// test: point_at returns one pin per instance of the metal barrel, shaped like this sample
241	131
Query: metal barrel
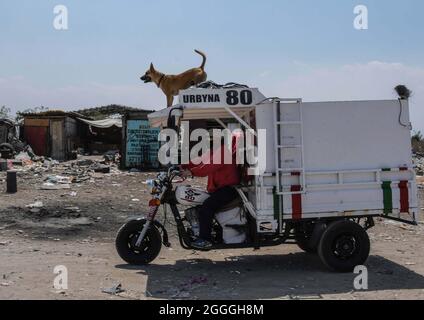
12	183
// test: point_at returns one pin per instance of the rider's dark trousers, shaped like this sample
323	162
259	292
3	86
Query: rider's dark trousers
211	206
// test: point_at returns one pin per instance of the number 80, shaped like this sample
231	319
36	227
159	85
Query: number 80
245	97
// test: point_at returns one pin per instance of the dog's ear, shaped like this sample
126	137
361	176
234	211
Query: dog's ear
152	68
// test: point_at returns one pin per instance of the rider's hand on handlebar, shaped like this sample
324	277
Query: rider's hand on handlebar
186	174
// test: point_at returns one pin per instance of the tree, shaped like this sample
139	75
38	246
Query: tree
19	115
417	137
4	112
418	142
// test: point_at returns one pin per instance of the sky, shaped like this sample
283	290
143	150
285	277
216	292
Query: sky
308	49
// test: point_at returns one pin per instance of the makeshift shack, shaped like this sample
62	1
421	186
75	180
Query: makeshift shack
100	136
52	134
6	128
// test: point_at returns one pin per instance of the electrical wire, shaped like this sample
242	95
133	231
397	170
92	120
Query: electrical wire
400	117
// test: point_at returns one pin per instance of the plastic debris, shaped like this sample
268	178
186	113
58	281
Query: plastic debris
59	179
37	204
117	289
52	186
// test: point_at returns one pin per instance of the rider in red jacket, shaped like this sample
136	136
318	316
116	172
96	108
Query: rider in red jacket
222	178
219	175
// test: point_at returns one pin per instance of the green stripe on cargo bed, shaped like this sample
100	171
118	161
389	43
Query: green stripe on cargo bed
388	197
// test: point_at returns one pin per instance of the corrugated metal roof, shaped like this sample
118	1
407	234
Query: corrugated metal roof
53	113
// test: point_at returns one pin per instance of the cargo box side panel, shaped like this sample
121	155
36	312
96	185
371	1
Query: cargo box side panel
356	135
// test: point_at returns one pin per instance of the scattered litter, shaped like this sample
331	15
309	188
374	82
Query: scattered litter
5	284
100	168
181	295
37	204
114	290
59	179
52	186
85	162
23	156
306	297
404	227
135	200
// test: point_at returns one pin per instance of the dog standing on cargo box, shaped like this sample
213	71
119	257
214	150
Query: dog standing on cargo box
172	84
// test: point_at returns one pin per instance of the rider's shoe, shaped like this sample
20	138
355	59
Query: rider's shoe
201	244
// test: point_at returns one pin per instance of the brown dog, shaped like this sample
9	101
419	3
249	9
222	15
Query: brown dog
172	84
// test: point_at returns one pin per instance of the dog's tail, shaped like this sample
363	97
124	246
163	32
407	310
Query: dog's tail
204	58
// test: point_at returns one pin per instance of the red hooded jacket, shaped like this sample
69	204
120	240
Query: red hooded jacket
219	174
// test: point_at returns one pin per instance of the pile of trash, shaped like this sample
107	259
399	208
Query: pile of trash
77	172
25	158
418	159
57	175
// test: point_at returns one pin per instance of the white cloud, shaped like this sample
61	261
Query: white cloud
373	80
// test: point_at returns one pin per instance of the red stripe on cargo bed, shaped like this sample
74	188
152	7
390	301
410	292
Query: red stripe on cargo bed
404	194
404	197
297	203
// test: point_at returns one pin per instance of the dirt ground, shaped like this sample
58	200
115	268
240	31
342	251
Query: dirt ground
76	228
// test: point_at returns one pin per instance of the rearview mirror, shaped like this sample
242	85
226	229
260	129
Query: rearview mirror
173	119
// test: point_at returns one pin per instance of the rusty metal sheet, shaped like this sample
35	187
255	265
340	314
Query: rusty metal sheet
36	122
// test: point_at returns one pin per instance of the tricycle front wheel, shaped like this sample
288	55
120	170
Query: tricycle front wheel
344	245
126	243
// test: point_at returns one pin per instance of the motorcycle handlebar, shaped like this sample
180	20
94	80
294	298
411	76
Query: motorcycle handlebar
174	168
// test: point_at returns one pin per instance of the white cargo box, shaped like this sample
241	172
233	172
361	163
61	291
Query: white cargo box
339	158
323	159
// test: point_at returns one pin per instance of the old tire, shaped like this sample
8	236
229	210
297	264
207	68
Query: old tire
303	235
147	252
343	246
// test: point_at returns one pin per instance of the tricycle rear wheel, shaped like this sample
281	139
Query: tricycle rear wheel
344	245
